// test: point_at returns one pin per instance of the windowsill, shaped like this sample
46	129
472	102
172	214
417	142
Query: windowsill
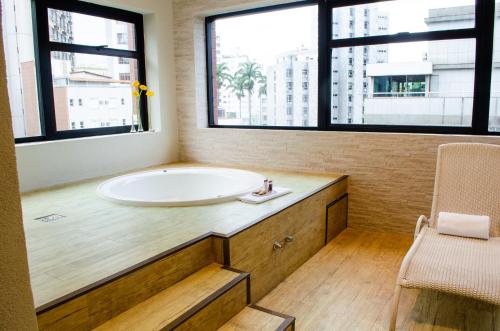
315	130
93	138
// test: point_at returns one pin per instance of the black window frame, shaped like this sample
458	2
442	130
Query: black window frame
43	47
482	33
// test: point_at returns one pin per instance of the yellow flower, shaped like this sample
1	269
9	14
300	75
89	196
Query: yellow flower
150	93
136	84
135	93
143	87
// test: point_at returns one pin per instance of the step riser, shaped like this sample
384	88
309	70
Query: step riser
219	311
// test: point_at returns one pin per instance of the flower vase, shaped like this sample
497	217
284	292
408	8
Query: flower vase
132	126
139	119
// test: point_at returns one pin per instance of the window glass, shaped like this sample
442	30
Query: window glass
494	118
418	83
391	17
101	84
75	28
265	68
20	65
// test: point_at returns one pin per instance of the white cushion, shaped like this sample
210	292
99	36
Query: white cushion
463	225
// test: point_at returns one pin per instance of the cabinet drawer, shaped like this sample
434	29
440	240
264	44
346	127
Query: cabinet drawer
304	224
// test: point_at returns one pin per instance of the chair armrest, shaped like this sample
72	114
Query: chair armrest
422	220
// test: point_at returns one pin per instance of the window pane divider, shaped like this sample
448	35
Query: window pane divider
401	128
95	50
347	3
92	10
404	37
485	18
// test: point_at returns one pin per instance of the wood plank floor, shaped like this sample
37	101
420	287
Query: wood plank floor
349	284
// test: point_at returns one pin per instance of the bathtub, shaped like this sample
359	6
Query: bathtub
180	186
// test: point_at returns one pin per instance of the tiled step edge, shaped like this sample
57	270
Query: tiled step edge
282	322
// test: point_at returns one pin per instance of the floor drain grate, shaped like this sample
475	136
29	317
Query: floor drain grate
49	218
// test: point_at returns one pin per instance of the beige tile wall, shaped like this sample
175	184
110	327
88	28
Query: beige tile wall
391	174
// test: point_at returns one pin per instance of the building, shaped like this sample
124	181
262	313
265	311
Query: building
74	74
349	79
438	90
292	97
92	91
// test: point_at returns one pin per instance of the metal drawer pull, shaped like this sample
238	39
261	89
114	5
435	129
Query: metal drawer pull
277	245
289	239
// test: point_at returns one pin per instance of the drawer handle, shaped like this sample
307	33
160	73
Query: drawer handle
289	239
277	245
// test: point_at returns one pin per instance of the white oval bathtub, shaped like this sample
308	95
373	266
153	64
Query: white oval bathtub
180	186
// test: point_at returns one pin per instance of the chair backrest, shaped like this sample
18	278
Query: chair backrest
468	182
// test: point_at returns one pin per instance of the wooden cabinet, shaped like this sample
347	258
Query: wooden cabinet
274	248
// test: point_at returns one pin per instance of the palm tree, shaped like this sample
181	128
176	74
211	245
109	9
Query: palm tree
250	74
237	86
222	74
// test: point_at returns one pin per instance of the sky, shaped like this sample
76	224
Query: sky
263	36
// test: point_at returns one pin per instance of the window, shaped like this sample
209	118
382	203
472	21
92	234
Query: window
400	85
122	38
125	76
247	56
75	64
420	66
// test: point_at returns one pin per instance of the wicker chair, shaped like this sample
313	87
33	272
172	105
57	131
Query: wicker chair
467	181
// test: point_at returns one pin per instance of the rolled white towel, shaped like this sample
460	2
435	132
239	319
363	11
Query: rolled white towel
463	225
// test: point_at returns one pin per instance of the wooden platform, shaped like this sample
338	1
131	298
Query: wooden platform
97	240
349	284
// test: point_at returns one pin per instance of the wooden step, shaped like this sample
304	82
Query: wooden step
203	301
254	318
